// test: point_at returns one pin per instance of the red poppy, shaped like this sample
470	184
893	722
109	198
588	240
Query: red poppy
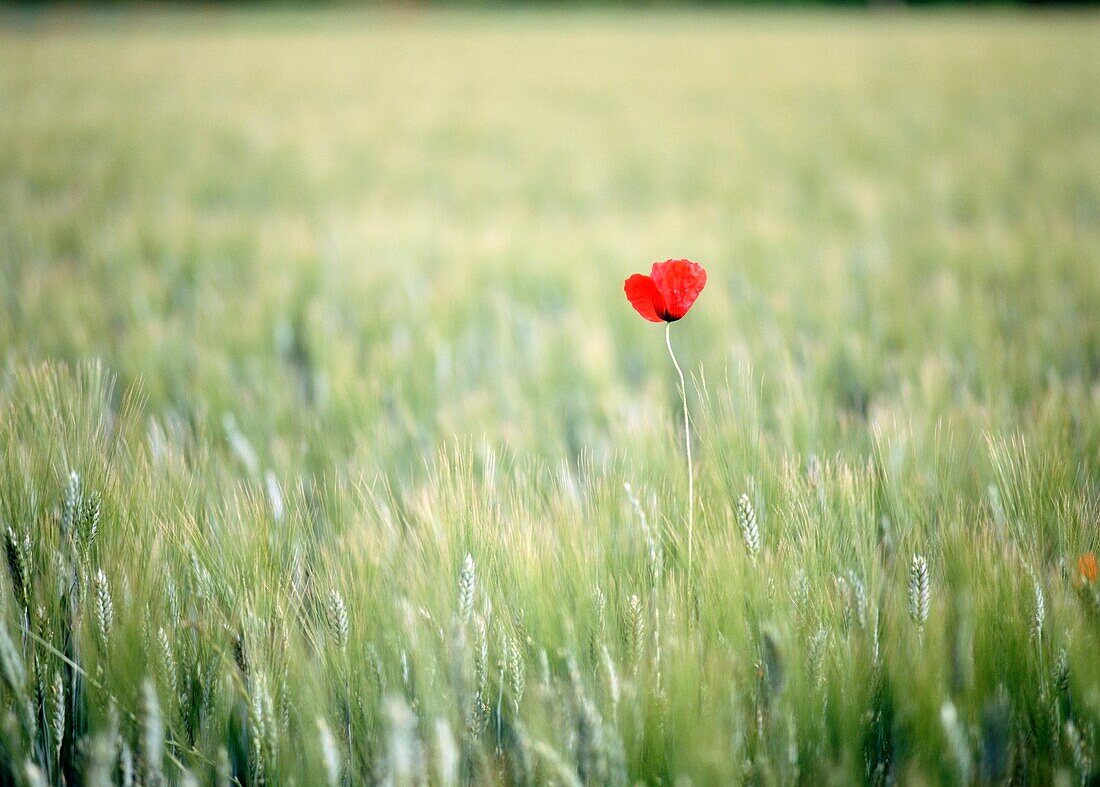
668	291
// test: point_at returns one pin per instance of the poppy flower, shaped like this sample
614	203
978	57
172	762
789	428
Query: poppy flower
666	295
668	292
1086	568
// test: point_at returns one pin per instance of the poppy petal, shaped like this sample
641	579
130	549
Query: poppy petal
679	282
645	297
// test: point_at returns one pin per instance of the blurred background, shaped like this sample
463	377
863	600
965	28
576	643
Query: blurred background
417	221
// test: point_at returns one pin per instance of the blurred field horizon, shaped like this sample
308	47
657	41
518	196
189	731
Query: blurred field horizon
332	453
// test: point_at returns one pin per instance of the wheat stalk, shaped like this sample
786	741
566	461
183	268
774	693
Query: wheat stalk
89	519
102	754
920	592
104	607
750	533
375	670
517	673
330	753
151	739
18	552
819	645
71	502
13	673
481	674
635	630
613	688
404	752
1039	611
337	615
127	766
223	769
57	718
957	740
858	599
467	588
258	725
447	755
167	661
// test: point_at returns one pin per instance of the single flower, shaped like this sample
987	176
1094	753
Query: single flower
666	295
668	292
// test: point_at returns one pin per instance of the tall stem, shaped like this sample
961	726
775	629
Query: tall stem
687	446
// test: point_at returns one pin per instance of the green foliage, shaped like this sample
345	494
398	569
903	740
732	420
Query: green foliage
330	451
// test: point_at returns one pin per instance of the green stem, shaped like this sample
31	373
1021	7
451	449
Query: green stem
687	446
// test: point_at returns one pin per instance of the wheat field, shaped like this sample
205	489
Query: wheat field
331	452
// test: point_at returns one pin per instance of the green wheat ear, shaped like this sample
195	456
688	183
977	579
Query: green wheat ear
337	617
920	591
467	588
750	534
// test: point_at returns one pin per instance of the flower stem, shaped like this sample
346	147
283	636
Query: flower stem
687	446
